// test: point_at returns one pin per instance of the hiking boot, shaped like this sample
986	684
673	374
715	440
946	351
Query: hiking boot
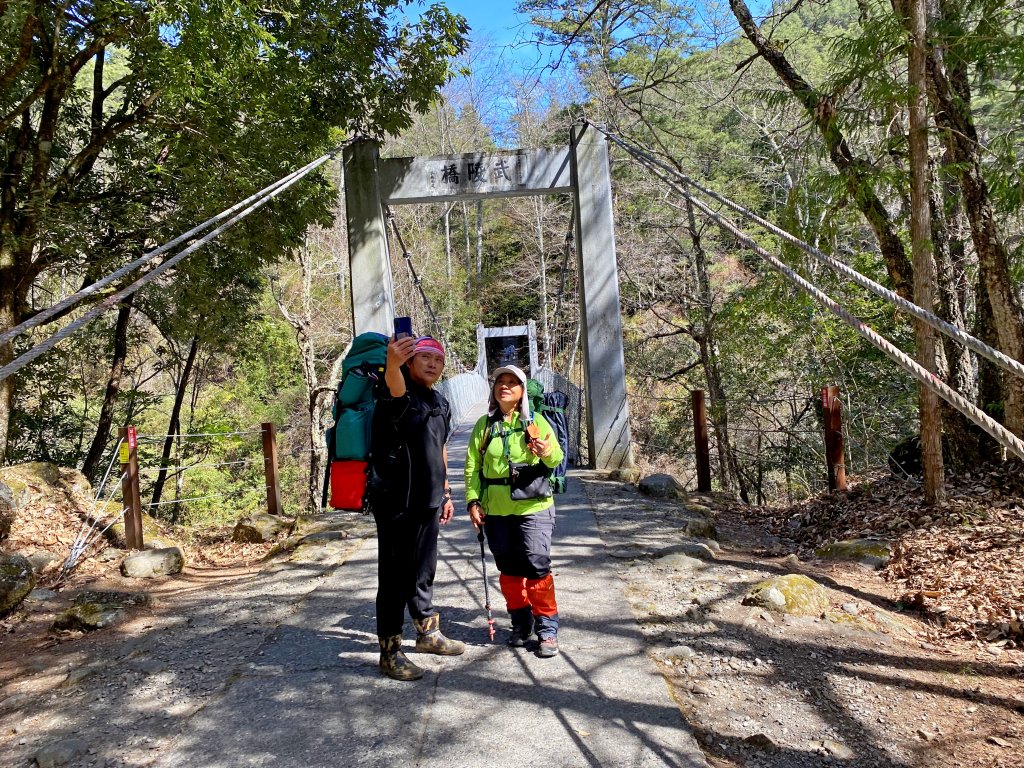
430	640
548	647
394	663
522	627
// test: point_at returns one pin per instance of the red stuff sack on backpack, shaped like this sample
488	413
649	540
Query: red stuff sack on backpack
348	484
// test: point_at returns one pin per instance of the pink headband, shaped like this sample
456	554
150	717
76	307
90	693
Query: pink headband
429	344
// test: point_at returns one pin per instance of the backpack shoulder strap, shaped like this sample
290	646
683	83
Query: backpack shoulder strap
490	431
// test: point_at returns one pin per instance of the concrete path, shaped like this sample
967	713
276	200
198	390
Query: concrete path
316	698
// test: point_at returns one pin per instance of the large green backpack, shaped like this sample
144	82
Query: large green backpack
361	369
348	441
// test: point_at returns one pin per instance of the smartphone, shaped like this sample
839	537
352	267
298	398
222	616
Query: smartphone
533	431
403	327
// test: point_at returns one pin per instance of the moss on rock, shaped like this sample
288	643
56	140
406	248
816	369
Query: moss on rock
96	610
151	531
793	593
17	580
41	480
868	551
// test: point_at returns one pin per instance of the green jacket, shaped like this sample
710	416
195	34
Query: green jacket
497	499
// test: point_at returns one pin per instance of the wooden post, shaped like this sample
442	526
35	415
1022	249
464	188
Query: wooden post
700	436
270	464
831	409
129	457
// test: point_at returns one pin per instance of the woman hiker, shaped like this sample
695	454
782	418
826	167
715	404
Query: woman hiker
509	460
409	496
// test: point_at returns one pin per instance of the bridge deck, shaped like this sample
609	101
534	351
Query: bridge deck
321	700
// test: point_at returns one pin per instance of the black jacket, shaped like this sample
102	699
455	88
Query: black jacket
407	468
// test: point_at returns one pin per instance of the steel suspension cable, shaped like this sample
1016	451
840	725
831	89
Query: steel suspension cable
44	315
958	334
996	430
17	364
419	286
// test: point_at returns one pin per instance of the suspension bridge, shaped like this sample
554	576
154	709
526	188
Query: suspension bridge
373	184
308	691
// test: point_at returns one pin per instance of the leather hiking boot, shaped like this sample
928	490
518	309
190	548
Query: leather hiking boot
430	640
394	663
522	627
548	647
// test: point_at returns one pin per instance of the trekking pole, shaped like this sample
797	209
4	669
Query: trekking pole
487	592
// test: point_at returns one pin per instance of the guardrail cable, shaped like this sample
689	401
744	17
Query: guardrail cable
996	430
958	334
27	357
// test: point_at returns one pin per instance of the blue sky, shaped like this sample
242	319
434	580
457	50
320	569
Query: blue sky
496	18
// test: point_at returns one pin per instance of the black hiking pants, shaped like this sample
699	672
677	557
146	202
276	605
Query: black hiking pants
406	564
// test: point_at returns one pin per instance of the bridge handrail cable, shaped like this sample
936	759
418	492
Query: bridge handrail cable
936	322
996	430
44	346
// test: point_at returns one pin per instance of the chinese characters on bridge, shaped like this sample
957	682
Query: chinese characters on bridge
476	174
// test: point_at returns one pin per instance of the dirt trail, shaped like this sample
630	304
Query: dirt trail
860	688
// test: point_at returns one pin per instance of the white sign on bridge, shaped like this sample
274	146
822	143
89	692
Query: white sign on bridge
474	176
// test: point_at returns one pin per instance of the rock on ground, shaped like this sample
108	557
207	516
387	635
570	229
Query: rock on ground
662	486
8	511
154	562
793	593
868	551
42	481
152	535
61	752
17	579
259	528
96	610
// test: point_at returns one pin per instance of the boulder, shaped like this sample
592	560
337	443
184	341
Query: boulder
61	752
326	548
792	594
152	535
677	561
624	475
39	596
662	486
259	528
153	562
867	551
692	548
8	511
697	526
41	481
96	610
17	580
41	560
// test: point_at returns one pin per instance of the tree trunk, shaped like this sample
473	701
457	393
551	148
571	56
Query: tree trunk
990	386
99	442
479	236
8	319
920	234
469	249
728	465
539	208
951	94
964	444
856	171
448	241
175	421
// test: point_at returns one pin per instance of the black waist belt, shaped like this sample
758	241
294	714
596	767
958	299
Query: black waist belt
496	481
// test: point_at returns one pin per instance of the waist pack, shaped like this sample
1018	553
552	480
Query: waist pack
530	481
